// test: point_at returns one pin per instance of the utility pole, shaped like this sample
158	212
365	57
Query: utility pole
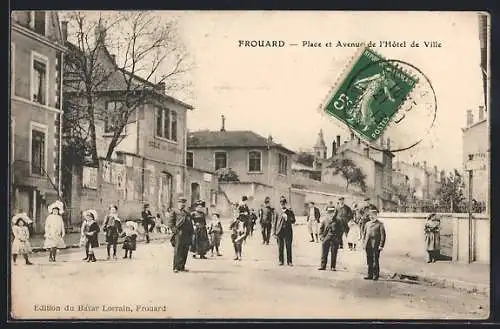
469	209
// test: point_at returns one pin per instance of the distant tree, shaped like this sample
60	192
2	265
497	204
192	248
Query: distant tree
451	193
227	175
307	159
352	174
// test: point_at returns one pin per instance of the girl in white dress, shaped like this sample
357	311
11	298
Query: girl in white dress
21	244
54	230
353	235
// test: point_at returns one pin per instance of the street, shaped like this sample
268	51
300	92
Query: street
219	287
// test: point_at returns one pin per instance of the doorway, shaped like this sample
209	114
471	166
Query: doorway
195	193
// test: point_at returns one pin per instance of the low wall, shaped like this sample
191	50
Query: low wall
405	235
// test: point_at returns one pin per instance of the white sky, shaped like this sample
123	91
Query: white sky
278	91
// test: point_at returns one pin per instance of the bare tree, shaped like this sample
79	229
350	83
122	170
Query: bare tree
148	54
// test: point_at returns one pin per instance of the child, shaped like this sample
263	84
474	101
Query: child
92	234
238	235
113	229
54	230
215	232
84	229
130	242
353	235
158	223
21	243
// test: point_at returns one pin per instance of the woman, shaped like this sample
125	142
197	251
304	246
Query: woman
54	230
432	231
113	229
200	244
92	233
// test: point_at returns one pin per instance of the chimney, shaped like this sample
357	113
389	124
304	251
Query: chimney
367	152
100	33
470	117
64	30
388	144
359	140
334	149
160	86
223	127
481	113
338	140
352	135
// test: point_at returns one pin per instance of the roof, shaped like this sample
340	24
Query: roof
230	139
73	48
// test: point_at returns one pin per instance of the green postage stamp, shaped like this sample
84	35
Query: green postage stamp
370	94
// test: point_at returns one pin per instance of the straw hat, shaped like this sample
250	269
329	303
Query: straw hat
21	216
57	204
91	212
131	224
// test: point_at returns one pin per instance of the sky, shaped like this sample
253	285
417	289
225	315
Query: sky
278	91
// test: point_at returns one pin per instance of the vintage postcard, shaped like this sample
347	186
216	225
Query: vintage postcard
249	164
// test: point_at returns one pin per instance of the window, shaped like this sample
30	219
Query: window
38	149
254	161
166	124
39	81
113	112
220	160
283	164
38	21
190	159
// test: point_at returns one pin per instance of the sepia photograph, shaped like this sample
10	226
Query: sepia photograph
249	165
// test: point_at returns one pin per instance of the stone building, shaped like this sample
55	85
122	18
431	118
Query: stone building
148	164
37	52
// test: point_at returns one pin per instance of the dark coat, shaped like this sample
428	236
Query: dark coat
345	214
93	235
147	217
374	235
283	222
317	214
267	215
179	222
331	228
130	242
200	243
113	229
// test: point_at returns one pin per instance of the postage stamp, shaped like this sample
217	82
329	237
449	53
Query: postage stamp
370	94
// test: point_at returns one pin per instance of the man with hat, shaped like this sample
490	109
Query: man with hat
266	218
147	219
313	217
373	242
344	214
331	234
181	226
283	231
364	215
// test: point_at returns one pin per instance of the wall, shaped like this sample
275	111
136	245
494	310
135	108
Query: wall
208	186
405	236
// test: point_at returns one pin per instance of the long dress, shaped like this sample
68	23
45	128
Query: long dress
354	232
432	235
54	232
21	243
201	243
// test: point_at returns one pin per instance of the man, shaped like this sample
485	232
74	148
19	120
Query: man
283	231
266	218
179	222
147	219
373	242
331	235
344	215
364	215
312	221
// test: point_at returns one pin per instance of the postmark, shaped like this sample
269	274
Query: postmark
375	96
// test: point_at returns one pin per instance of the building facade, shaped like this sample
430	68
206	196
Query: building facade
255	159
148	164
476	145
37	53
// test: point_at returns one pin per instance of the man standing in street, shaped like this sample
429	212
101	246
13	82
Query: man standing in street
283	231
331	235
147	219
344	215
364	215
313	221
181	226
373	242
266	217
